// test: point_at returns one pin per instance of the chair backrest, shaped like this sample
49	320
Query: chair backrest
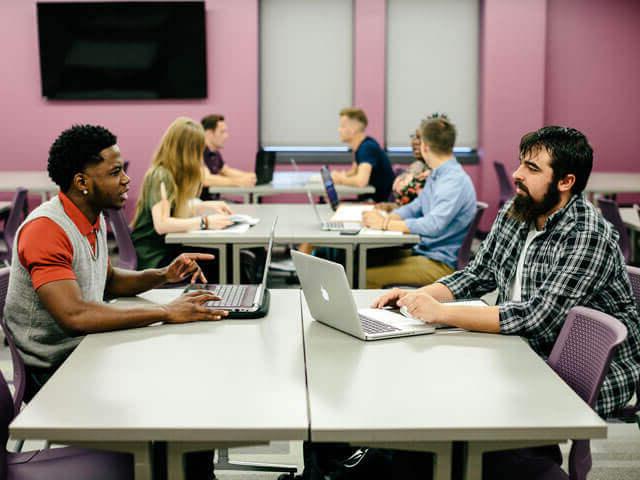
611	213
7	413
465	250
126	250
583	350
19	373
504	182
634	278
18	207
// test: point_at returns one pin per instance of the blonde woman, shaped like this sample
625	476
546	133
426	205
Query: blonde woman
168	199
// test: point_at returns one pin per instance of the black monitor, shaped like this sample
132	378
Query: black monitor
123	50
329	187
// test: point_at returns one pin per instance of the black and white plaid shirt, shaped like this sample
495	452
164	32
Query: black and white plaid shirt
574	261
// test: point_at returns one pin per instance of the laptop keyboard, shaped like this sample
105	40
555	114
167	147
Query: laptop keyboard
334	225
369	325
231	295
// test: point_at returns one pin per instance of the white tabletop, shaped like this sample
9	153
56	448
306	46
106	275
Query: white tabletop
631	218
34	181
613	182
296	223
451	385
234	380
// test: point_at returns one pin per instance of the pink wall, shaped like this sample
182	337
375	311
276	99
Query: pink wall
593	76
31	123
369	70
541	61
512	66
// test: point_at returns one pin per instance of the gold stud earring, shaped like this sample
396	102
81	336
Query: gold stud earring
85	192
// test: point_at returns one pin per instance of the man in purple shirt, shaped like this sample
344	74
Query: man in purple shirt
215	172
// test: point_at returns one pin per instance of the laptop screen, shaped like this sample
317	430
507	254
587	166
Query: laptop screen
267	263
329	187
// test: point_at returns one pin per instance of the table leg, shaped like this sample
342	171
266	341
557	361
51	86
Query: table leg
235	272
349	258
362	266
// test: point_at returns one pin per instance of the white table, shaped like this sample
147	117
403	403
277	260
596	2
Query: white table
425	392
631	219
5	206
603	183
289	182
197	386
297	223
34	181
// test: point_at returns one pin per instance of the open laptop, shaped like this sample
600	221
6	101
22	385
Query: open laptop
265	164
242	301
329	188
333	225
328	225
331	302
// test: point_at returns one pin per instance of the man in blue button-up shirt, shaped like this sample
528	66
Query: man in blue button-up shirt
441	215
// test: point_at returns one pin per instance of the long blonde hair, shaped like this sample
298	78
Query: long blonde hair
180	153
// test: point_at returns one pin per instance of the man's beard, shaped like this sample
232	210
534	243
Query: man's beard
525	209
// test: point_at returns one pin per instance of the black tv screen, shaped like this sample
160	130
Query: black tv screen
122	50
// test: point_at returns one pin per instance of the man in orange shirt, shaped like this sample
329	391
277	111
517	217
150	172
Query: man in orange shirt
60	269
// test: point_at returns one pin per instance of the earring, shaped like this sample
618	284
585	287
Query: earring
85	192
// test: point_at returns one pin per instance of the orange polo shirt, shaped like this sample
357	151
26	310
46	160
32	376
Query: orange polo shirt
45	250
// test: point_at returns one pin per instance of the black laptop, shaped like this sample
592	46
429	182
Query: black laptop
265	164
242	301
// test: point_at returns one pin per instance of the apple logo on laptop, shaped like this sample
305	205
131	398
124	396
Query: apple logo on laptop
325	294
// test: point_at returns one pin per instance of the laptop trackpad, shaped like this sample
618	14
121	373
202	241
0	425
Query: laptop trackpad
393	318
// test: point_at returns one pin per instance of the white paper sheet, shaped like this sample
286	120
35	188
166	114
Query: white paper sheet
351	213
372	231
235	228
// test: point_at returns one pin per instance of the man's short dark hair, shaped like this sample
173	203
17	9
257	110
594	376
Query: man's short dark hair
210	122
439	133
569	150
75	149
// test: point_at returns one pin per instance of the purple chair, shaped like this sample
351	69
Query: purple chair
56	463
465	250
630	412
506	185
18	206
126	250
611	213
19	374
581	356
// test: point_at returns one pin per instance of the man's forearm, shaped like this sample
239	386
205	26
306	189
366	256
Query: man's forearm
477	319
439	291
216	180
127	283
96	317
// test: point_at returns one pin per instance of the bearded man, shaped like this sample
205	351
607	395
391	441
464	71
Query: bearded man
549	250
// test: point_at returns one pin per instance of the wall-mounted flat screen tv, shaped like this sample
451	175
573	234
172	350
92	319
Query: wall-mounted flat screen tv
122	50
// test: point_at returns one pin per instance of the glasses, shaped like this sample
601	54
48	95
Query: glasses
414	136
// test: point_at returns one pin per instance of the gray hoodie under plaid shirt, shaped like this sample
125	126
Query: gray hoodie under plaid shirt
575	261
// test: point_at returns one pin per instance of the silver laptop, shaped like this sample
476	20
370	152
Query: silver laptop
328	225
331	302
240	300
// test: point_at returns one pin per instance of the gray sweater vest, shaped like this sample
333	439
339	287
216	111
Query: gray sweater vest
42	342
